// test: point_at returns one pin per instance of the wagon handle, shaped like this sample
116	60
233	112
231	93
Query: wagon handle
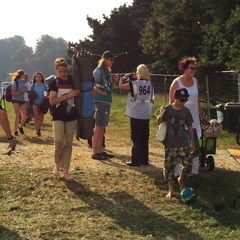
205	127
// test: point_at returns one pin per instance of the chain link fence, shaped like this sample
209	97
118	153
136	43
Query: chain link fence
219	87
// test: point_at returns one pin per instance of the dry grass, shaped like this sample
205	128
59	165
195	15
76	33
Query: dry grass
108	199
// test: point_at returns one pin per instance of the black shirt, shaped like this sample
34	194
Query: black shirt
66	110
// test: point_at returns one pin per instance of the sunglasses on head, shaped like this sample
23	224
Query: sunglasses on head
183	99
193	68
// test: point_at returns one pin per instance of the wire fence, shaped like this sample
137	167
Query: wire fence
218	87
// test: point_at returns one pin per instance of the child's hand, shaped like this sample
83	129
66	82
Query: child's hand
115	77
192	148
162	112
93	93
104	93
24	90
73	93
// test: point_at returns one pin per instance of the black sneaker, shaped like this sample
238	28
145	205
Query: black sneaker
16	133
21	130
38	134
98	156
133	164
104	154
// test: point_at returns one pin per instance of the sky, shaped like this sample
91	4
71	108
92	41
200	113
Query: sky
58	18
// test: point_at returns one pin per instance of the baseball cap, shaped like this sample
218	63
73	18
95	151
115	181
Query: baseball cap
181	92
108	54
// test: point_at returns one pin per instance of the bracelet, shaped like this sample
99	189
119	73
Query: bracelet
11	138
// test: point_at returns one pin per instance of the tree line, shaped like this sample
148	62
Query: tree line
162	32
158	33
15	54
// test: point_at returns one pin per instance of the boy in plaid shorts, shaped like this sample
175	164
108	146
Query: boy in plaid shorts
176	143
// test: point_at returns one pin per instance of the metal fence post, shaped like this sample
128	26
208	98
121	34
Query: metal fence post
238	87
207	92
165	88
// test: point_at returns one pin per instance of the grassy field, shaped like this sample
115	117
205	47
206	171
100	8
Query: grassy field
108	199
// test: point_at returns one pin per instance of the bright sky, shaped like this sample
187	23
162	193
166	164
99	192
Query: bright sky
57	18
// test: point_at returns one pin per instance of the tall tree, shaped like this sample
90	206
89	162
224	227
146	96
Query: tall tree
172	32
219	35
47	50
190	28
233	30
14	55
120	33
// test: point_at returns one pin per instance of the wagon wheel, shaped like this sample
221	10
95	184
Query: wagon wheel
210	163
236	202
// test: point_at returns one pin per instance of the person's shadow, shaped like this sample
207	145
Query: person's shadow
7	234
130	214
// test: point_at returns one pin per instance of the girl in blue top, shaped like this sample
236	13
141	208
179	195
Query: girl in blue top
41	89
18	101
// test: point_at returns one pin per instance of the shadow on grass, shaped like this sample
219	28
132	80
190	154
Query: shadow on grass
39	140
4	139
217	190
152	171
131	214
7	234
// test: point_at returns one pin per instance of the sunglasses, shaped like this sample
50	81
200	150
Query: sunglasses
193	68
183	99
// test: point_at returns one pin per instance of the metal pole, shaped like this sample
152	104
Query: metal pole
207	92
238	87
165	88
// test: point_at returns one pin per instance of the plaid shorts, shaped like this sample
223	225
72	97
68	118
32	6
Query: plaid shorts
171	157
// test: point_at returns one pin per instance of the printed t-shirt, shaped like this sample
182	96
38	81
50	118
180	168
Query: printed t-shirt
176	121
66	110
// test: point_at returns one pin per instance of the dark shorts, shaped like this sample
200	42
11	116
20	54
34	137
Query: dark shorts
171	157
19	102
102	111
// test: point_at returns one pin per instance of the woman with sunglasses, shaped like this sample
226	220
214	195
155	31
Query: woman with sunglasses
104	83
188	81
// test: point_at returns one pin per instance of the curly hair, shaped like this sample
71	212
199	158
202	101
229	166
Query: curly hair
59	62
183	64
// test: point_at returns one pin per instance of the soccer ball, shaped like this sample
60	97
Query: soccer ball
188	195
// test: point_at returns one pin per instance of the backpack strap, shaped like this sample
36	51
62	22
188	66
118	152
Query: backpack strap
16	84
33	87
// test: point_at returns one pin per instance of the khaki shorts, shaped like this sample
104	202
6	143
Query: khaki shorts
172	155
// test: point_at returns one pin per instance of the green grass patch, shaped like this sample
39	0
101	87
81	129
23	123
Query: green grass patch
109	200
